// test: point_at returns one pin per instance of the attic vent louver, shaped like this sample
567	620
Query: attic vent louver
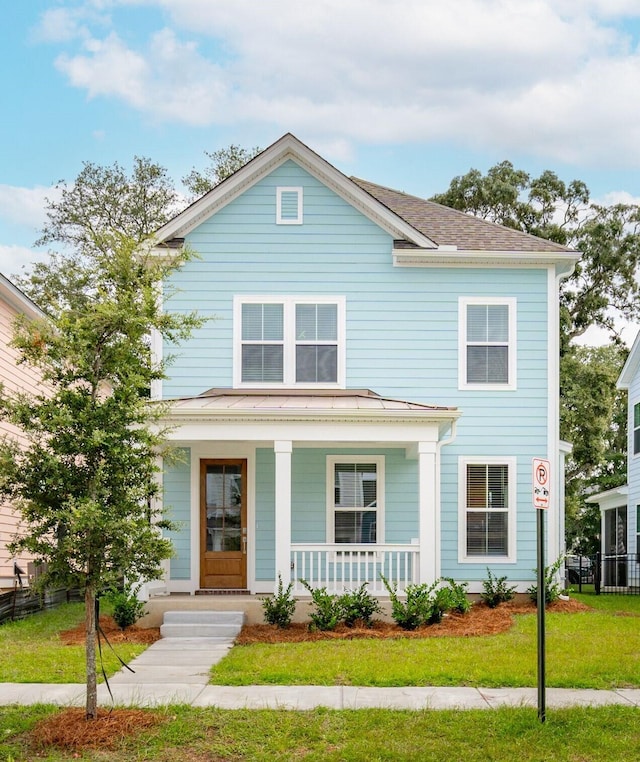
289	206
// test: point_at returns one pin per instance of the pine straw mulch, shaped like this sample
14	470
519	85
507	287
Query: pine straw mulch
481	620
133	634
70	730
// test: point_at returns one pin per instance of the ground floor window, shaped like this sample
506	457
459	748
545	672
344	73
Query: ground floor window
355	499
487	505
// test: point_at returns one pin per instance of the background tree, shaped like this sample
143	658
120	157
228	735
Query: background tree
86	481
602	289
223	163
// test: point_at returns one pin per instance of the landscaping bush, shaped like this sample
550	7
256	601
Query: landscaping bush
127	608
358	605
280	607
328	611
496	590
552	588
457	595
416	609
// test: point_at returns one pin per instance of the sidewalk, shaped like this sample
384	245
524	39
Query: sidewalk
176	671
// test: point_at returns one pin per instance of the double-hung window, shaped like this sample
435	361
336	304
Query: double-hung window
636	428
487	343
355	490
289	341
487	509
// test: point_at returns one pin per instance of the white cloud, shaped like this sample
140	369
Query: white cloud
14	259
553	76
25	206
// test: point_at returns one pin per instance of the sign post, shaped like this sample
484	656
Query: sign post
541	493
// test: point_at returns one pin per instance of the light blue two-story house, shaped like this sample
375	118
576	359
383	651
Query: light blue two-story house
377	375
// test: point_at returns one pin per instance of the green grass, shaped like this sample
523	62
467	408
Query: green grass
607	734
595	649
31	651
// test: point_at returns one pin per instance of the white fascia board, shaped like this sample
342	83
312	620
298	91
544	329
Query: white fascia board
610	498
565	262
628	372
289	147
18	300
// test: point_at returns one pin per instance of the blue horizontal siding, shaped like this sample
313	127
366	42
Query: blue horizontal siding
177	503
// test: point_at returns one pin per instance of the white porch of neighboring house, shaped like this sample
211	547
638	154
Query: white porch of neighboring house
224	426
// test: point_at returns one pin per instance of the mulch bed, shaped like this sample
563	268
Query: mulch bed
481	620
114	634
69	729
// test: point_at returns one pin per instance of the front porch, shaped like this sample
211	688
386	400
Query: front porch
334	488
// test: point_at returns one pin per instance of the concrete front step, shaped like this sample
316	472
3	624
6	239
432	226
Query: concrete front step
202	624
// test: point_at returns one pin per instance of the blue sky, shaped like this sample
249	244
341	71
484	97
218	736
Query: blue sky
406	93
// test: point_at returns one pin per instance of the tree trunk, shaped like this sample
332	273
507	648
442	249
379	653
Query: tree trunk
90	652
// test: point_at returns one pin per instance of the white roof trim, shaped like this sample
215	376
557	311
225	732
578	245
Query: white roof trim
289	147
610	495
464	258
19	300
625	379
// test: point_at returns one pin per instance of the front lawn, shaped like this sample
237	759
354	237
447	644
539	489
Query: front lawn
605	734
593	649
32	652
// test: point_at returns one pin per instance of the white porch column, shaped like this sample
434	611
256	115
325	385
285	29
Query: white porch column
283	450
429	519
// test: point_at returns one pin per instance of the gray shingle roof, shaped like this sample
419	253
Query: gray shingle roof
449	227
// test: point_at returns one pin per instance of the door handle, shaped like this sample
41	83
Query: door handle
244	546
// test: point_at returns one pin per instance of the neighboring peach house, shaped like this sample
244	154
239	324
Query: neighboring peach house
14	377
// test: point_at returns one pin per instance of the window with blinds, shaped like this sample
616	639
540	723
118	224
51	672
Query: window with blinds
487	509
316	343
290	341
487	351
636	428
355	502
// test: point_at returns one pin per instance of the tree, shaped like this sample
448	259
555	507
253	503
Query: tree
86	481
603	286
224	163
594	420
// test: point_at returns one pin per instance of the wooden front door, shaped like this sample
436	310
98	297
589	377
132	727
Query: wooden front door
223	524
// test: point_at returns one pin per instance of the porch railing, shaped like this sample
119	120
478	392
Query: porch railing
342	567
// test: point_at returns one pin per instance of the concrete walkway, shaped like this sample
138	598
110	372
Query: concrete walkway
176	671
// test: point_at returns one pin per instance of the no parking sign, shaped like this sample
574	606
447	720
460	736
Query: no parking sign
541	483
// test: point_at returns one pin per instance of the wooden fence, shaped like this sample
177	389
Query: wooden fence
19	602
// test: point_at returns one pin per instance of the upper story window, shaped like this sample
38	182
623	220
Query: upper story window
487	509
636	428
487	343
289	206
289	341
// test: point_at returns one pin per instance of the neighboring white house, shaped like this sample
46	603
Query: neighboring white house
620	507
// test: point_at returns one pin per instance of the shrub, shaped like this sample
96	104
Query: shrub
127	608
328	608
552	588
457	595
358	605
416	609
280	607
496	590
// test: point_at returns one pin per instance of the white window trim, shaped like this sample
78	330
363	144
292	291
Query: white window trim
289	189
483	460
289	340
463	303
380	488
